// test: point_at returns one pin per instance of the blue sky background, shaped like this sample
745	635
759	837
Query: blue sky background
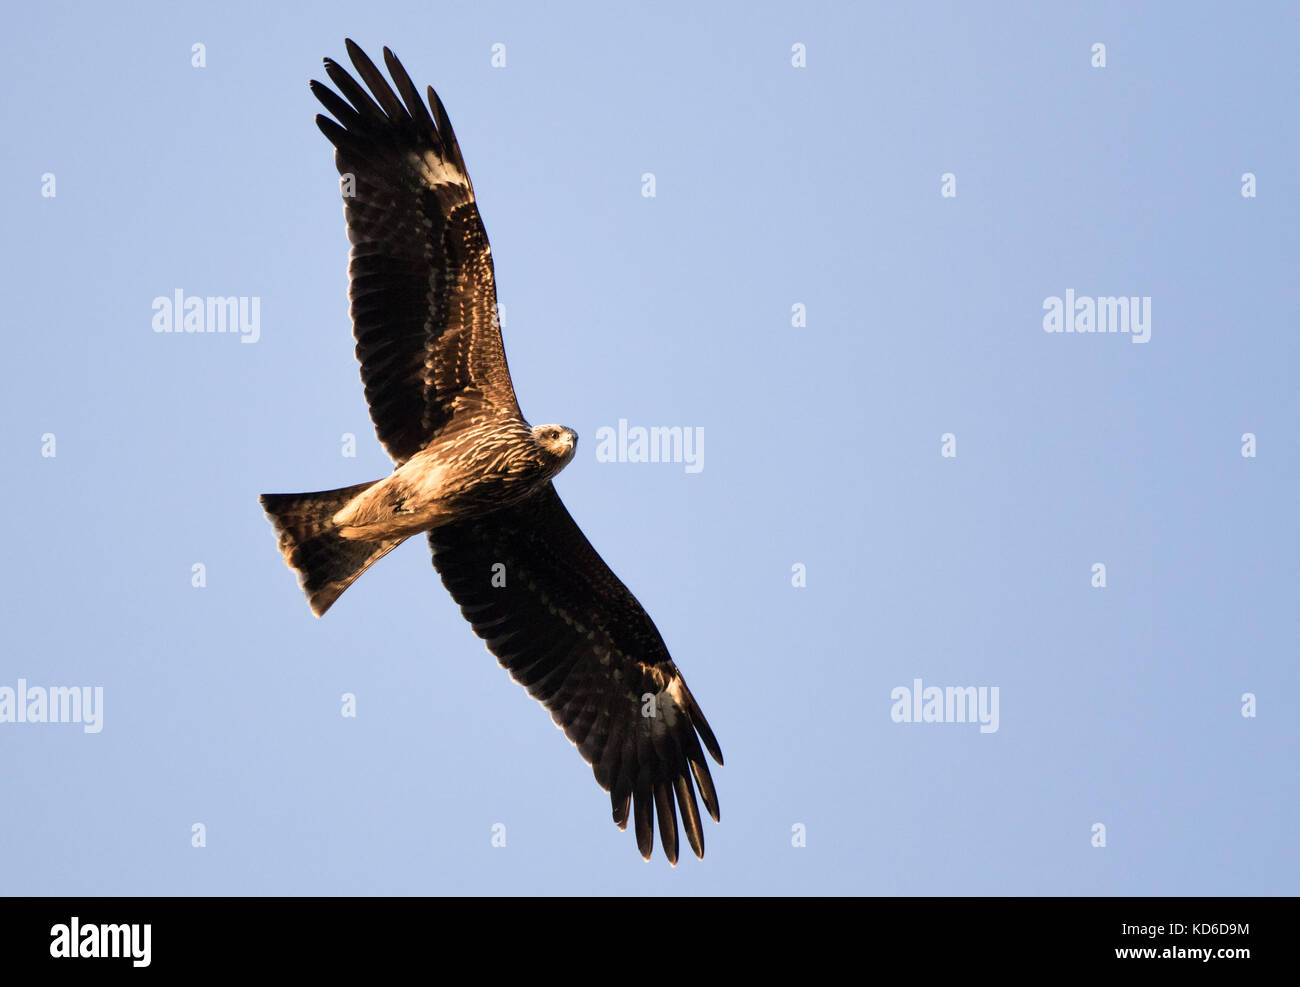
775	186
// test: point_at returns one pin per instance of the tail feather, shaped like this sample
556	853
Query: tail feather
326	562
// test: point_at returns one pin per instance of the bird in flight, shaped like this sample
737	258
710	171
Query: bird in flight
474	475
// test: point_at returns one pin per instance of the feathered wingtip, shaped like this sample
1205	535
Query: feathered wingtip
649	796
364	114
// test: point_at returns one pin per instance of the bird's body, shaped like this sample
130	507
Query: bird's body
467	473
472	473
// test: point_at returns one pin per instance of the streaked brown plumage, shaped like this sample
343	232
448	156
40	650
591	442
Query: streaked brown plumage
473	474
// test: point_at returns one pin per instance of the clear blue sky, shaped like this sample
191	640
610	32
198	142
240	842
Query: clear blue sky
775	185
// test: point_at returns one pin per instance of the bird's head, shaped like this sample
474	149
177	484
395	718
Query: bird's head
557	443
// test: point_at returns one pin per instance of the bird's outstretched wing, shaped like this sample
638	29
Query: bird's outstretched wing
575	637
423	292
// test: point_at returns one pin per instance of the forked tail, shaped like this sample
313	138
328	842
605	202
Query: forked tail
326	562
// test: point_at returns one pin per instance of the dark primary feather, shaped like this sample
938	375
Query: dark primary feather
423	290
571	633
